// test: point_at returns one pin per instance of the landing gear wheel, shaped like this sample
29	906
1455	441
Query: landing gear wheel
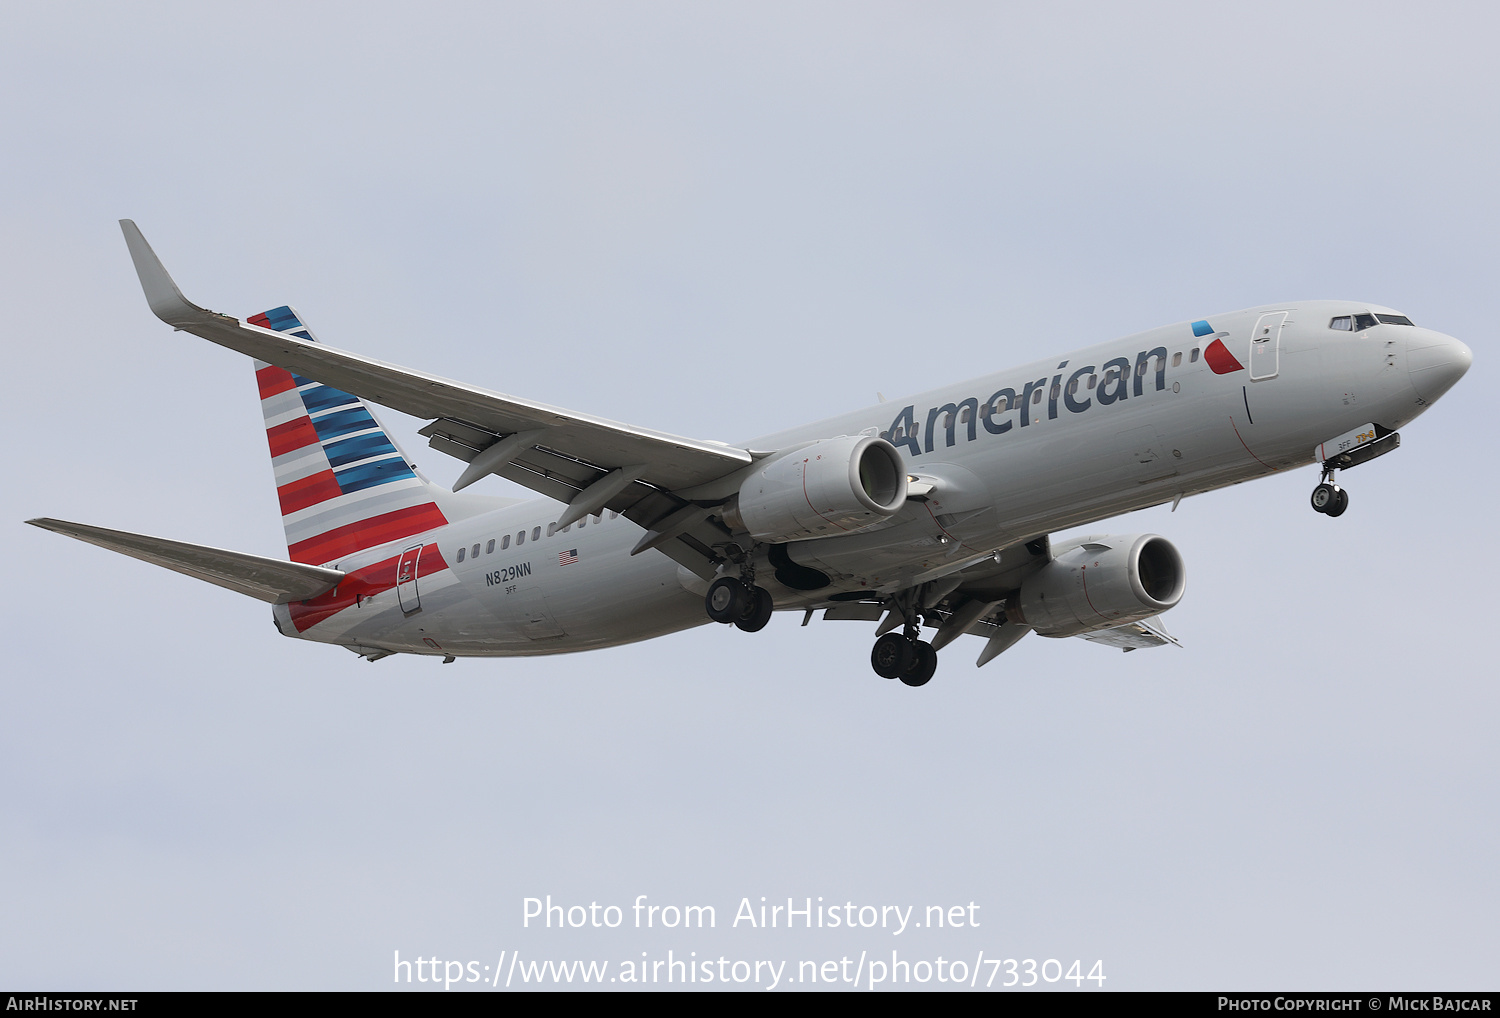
1339	504
893	655
727	600
1325	496
758	613
924	663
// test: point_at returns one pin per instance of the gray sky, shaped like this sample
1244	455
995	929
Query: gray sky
722	220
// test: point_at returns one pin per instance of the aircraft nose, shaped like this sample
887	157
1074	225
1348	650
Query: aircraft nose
1435	362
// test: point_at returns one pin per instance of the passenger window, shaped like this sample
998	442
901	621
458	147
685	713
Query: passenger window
1092	379
520	539
1056	389
582	522
1362	322
1177	359
551	529
1002	405
1394	319
1037	399
489	549
613	515
461	554
1343	323
1140	369
963	418
475	552
1193	356
505	542
567	528
1072	386
536	533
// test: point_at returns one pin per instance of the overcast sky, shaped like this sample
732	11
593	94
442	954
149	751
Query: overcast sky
721	221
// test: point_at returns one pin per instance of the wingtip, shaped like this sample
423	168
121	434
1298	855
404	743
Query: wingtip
162	294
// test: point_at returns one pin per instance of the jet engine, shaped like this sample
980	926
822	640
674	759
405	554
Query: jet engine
1100	583
831	487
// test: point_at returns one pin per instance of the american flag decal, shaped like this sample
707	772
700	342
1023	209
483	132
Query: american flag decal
567	558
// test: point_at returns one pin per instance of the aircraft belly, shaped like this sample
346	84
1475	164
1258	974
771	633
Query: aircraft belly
609	597
586	591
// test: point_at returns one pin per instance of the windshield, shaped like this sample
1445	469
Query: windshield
1358	323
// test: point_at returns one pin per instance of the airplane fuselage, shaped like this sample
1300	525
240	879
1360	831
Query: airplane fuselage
1011	456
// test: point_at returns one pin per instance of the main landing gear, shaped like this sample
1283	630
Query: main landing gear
1328	498
903	656
732	600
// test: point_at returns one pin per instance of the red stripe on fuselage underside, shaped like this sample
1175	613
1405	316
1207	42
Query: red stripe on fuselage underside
297	434
360	584
273	380
353	537
310	490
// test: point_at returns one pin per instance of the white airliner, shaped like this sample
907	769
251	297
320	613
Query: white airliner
933	510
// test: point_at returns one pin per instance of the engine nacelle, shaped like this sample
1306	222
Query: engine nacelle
1100	583
831	487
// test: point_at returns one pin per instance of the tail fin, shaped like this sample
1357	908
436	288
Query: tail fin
344	484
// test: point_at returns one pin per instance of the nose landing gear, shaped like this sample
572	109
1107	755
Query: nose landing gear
1328	498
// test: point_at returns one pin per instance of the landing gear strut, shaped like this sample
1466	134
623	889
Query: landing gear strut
1328	498
733	601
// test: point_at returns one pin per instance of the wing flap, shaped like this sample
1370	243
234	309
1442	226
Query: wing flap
266	579
551	473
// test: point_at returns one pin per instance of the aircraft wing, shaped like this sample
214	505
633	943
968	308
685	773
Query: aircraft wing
666	461
590	463
268	579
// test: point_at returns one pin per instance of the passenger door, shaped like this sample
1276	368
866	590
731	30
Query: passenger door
1265	346
406	580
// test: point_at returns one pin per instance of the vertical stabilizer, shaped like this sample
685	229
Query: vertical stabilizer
344	484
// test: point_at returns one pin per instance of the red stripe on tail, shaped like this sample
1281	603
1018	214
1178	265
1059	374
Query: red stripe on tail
310	490
273	380
292	435
347	540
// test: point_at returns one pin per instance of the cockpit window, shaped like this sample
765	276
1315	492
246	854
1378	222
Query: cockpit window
1358	323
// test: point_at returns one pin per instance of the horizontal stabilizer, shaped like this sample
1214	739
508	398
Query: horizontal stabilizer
268	579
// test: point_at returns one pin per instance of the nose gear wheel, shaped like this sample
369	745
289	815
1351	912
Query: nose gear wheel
1329	499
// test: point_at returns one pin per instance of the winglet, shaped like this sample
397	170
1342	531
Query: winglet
167	302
